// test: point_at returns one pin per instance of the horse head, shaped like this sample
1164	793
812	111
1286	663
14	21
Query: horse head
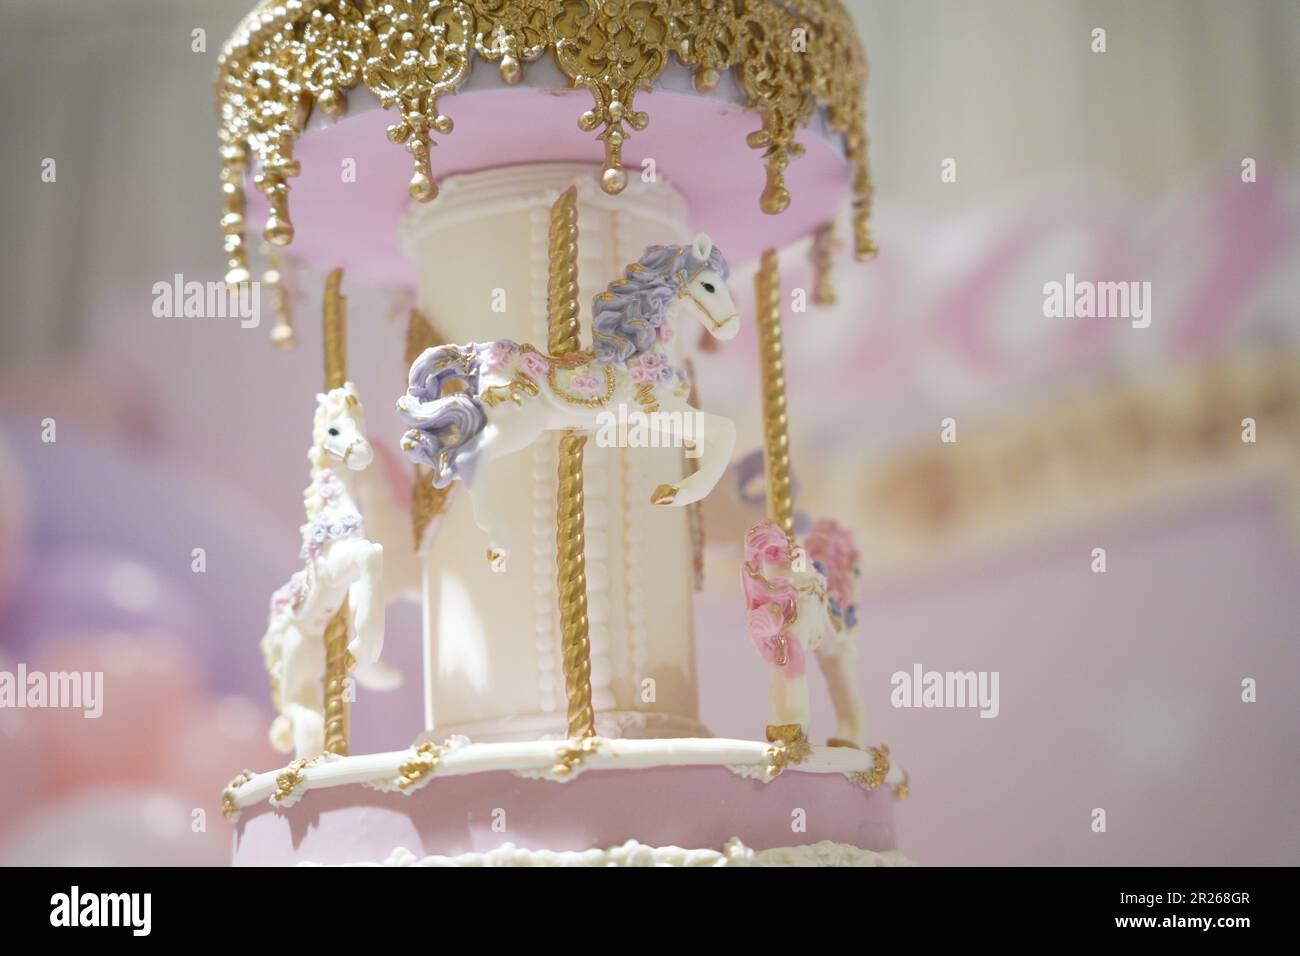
339	429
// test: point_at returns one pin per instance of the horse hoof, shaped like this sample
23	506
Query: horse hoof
841	742
664	494
497	558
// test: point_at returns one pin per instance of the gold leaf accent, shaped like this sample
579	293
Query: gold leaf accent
286	57
790	746
903	790
290	779
879	769
420	766
229	808
574	754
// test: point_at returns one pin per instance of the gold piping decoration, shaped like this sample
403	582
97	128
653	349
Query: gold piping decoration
790	58
427	502
776	433
570	540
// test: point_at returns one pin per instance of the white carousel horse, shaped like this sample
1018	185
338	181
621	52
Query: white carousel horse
339	563
469	406
800	600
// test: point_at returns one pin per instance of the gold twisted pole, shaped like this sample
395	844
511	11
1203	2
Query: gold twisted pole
570	537
335	332
336	675
571	582
334	335
562	282
776	434
427	502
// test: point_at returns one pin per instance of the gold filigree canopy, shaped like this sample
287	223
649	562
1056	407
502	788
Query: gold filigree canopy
791	59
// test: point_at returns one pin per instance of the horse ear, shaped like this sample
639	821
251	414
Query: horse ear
703	246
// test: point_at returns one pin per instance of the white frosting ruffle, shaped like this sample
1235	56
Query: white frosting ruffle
632	853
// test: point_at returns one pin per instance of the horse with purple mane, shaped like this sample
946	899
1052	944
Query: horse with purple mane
469	406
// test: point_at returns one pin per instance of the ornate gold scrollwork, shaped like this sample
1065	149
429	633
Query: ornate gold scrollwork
791	58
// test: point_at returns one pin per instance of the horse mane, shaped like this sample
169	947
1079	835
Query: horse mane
627	315
329	405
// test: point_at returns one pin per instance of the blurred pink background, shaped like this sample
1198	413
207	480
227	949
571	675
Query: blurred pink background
1120	690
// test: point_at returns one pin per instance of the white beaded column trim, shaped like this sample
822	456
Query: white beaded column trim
633	536
546	615
592	230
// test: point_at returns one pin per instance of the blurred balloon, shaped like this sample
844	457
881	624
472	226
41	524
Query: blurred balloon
77	589
214	741
149	687
120	539
15	506
21	757
117	826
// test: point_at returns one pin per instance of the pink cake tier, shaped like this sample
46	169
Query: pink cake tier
578	810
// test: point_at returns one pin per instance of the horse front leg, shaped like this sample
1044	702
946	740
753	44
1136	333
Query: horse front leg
835	657
787	701
510	428
713	438
366	602
302	687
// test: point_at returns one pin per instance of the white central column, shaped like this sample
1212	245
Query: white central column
492	638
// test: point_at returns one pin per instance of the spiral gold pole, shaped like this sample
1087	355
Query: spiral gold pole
336	675
334	335
776	435
570	538
562	282
335	332
571	581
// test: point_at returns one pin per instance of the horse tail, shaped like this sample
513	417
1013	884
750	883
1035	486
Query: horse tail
281	734
442	434
442	427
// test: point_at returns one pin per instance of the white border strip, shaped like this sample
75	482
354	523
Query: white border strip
539	759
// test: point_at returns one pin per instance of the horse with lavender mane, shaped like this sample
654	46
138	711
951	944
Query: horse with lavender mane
469	406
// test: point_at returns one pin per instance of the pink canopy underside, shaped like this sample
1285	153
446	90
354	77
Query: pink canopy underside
697	143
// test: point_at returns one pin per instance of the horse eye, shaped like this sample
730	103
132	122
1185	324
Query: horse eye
334	431
708	287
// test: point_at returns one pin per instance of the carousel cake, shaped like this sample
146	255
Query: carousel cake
560	454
